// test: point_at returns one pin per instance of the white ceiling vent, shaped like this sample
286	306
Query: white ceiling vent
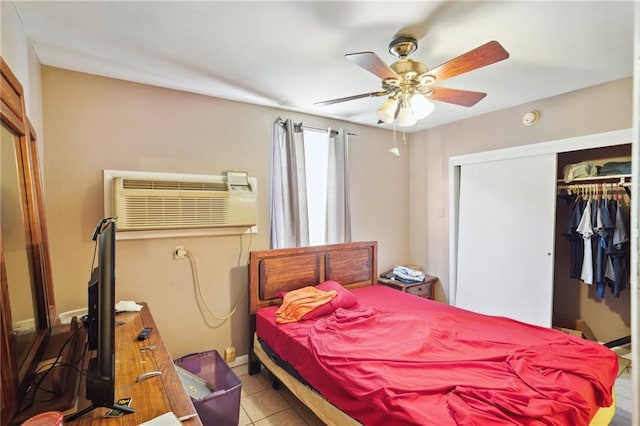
188	201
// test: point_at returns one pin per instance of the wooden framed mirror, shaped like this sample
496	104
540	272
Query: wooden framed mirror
26	293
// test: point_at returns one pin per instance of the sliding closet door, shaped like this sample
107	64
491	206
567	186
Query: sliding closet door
506	238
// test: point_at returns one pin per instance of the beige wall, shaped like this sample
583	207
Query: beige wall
593	110
94	123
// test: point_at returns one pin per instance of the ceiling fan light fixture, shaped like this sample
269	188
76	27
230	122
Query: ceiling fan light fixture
387	111
409	82
406	117
421	106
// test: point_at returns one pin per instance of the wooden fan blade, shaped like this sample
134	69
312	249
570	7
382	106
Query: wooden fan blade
487	54
372	63
454	96
351	98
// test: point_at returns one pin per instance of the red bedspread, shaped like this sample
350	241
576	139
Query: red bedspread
432	364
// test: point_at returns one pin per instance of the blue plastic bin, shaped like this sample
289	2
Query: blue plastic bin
222	406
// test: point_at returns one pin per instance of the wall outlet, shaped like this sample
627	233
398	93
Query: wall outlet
230	354
179	252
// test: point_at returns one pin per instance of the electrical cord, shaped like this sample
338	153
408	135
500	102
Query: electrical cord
248	248
43	371
51	391
73	364
200	300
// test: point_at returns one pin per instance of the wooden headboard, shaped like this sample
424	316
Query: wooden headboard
272	271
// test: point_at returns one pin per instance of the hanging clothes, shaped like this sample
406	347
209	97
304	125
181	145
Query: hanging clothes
612	207
619	253
594	236
585	228
598	237
604	230
576	244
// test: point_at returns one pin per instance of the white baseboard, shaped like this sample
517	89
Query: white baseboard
240	360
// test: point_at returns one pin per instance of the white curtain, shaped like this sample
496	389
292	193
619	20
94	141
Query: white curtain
289	207
289	217
338	210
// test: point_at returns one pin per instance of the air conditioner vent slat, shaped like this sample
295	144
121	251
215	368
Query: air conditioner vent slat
173	185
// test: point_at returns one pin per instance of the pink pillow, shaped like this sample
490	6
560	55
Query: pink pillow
344	299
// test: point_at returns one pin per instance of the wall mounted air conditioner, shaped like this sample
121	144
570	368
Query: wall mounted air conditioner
157	201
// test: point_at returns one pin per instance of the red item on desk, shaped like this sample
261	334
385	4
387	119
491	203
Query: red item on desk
48	418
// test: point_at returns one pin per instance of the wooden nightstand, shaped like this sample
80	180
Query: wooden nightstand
423	289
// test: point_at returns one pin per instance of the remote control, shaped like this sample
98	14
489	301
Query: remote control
145	333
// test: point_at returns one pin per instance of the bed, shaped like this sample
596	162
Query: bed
393	358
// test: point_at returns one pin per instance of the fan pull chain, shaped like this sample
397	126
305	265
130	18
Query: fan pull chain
394	135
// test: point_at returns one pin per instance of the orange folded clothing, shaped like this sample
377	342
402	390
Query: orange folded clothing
299	302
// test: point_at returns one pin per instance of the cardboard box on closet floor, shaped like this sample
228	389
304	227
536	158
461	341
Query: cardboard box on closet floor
575	327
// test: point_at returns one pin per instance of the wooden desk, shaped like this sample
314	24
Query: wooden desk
152	397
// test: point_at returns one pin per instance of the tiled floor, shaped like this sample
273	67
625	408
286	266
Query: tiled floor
623	395
260	405
263	406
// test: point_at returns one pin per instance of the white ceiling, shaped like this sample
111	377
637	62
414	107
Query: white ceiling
290	54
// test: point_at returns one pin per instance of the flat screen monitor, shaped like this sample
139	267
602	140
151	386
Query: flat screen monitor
104	361
100	379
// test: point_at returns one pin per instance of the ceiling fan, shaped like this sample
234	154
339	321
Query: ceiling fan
409	83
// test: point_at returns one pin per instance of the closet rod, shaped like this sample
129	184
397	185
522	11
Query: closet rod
622	182
592	185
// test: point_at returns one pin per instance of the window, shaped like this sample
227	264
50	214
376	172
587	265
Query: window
316	160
